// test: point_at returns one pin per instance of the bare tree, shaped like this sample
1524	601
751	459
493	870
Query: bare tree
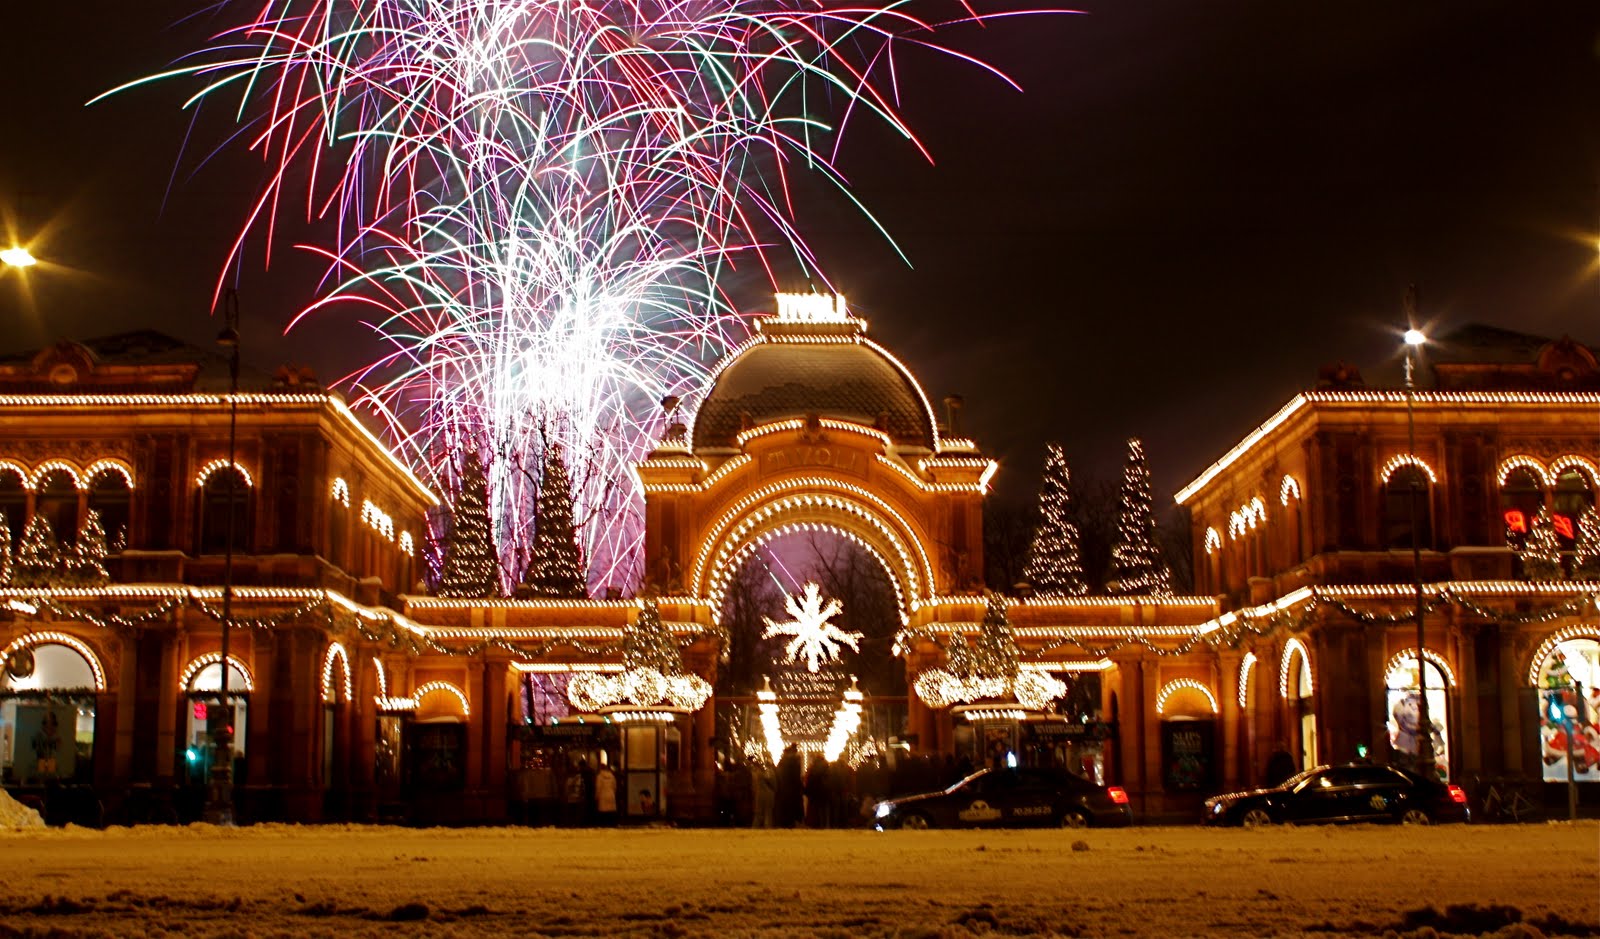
1007	534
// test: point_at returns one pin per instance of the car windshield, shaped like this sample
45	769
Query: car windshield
969	781
1299	778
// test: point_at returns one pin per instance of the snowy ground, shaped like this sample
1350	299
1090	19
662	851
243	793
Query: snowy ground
287	881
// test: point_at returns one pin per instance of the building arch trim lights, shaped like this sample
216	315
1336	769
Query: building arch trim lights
1572	461
211	467
46	638
1407	459
340	492
1247	667
21	471
1522	461
215	658
436	687
1288	489
1546	648
816	496
728	568
1213	540
50	466
108	465
1405	656
1178	685
1289	649
336	652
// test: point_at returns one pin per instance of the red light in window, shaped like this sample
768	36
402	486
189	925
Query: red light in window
199	710
1516	521
1457	794
1563	525
1117	795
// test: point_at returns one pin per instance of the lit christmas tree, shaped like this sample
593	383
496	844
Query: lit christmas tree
1586	553
1541	552
1055	568
38	562
1136	565
5	551
471	564
993	654
557	566
646	643
86	560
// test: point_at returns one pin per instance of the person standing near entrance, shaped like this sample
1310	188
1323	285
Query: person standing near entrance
764	790
605	796
790	807
573	789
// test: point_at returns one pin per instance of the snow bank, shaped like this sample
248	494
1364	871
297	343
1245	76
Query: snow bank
15	815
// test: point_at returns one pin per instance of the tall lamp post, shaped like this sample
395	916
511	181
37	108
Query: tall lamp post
219	796
1414	340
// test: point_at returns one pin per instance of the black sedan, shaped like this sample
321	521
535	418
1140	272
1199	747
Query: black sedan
1010	798
1353	792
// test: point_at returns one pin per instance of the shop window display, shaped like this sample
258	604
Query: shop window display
1403	706
47	710
203	699
1569	711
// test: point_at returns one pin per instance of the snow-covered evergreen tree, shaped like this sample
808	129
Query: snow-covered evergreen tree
1541	551
1055	565
1136	565
86	561
38	561
1586	551
471	564
556	569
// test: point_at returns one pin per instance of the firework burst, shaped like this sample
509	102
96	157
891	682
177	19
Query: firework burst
539	202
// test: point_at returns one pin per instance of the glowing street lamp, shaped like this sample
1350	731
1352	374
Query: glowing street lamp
17	256
1414	340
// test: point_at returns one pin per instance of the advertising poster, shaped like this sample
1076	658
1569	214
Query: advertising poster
1569	711
1404	708
46	745
1188	755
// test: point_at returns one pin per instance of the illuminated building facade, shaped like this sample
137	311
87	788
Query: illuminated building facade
1305	530
361	697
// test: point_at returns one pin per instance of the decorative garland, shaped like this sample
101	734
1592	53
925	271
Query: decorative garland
1246	625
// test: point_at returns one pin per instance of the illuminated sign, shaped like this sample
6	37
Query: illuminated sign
1517	523
812	308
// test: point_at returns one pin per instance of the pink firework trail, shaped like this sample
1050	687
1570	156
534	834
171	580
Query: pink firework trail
539	203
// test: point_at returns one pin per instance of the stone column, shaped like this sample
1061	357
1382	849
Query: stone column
1227	663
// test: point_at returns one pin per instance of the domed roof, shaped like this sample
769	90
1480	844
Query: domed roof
793	369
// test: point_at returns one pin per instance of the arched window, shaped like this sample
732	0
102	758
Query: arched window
47	711
1406	483
1573	495
1521	498
57	502
202	697
13	500
224	493
1295	684
1568	681
1403	714
109	495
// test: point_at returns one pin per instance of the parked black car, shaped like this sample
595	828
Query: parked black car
1010	798
1351	792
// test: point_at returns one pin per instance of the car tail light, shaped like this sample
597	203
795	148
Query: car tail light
1457	794
1117	795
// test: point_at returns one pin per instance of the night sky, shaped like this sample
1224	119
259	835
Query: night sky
1189	208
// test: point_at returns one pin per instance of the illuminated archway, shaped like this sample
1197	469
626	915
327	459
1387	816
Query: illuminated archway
814	503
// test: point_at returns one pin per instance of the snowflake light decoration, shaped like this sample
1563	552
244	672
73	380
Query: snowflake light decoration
814	638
